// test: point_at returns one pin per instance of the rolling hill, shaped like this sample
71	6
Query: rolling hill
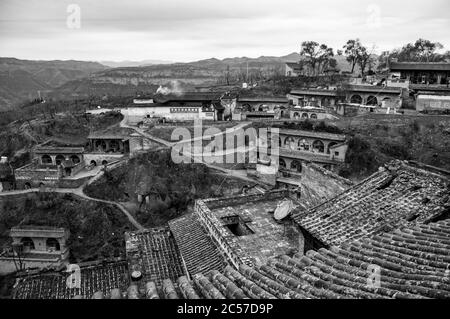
22	79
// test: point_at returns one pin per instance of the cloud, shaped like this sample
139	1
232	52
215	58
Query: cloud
196	29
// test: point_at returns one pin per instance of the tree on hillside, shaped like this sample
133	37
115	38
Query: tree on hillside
352	49
420	51
364	59
317	55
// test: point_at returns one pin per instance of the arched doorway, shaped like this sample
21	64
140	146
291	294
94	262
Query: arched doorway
52	244
59	159
75	159
330	146
372	100
296	115
296	166
46	160
318	146
27	243
356	99
27	186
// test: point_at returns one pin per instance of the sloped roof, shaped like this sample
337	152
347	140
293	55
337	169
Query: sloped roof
188	97
58	150
420	66
397	194
413	261
196	247
155	254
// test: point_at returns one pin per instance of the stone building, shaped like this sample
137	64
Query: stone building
295	146
421	73
311	113
331	97
106	147
260	107
35	247
187	106
50	164
432	102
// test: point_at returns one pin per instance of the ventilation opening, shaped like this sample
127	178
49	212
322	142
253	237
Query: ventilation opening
412	217
415	188
237	226
387	182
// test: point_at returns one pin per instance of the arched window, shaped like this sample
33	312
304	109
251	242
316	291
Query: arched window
75	159
303	145
290	143
114	146
318	146
297	166
313	116
356	99
27	186
93	163
46	160
52	244
28	243
104	162
60	159
282	163
330	146
372	100
100	146
296	115
304	115
246	108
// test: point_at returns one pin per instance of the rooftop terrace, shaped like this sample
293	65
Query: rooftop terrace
245	228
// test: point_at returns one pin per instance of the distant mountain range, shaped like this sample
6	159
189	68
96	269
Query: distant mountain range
20	80
124	64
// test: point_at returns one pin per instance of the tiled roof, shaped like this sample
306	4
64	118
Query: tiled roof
413	263
397	194
188	97
59	150
97	277
313	134
155	254
422	66
374	89
198	250
262	99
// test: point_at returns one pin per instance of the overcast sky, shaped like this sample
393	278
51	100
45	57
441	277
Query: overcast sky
187	30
